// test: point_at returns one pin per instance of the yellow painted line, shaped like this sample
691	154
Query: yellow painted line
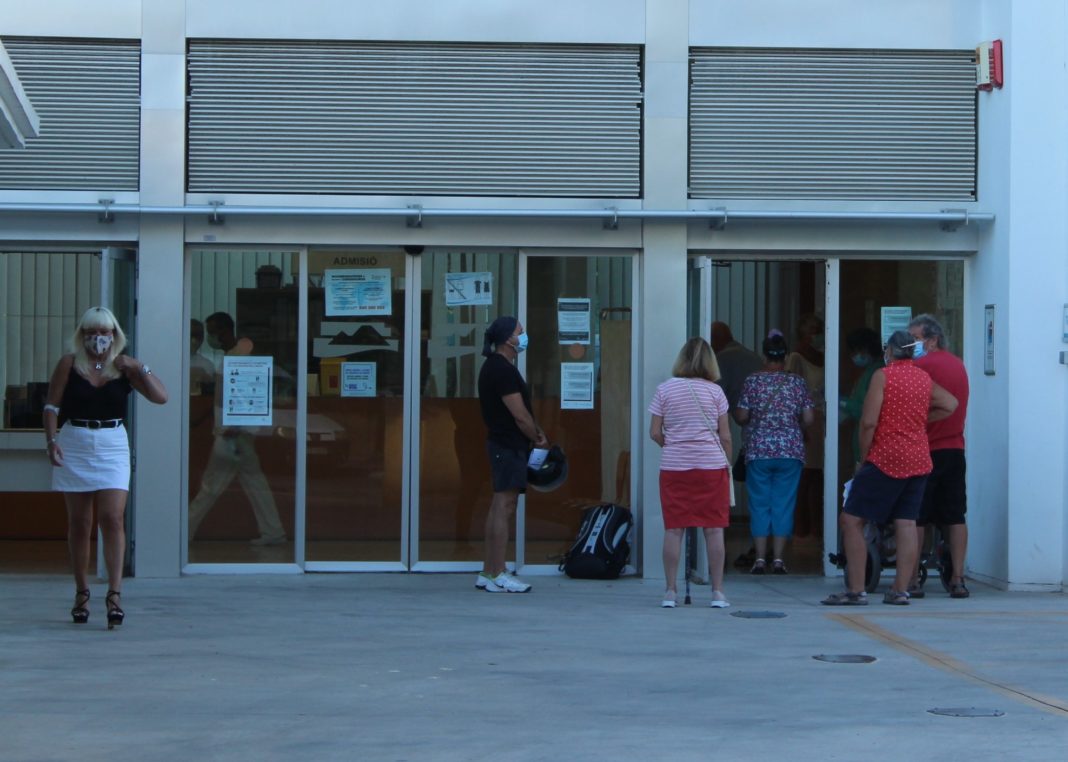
947	663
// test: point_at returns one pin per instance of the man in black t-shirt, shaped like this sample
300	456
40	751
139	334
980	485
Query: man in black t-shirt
510	430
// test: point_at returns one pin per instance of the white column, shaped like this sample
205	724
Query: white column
158	441
662	315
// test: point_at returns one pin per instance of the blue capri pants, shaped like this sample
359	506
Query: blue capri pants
772	486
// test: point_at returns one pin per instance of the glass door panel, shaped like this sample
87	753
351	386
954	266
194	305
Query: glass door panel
579	370
355	439
242	460
462	293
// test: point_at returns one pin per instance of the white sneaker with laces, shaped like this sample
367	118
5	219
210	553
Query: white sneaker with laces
481	581
505	583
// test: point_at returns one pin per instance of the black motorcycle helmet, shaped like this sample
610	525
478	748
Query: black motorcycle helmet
550	474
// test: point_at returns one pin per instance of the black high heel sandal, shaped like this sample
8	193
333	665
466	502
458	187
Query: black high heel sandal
80	614
115	612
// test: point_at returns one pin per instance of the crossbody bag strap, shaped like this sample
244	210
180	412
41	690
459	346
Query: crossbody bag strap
708	422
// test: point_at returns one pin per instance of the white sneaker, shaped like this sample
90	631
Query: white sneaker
482	580
504	583
719	600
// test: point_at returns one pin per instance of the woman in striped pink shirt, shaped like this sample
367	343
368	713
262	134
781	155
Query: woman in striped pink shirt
689	420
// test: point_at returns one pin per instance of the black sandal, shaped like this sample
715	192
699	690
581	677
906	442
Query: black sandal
115	612
80	614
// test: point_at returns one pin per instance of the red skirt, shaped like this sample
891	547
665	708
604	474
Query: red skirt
695	498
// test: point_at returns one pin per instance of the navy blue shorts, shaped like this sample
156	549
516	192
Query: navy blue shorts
945	500
877	497
508	468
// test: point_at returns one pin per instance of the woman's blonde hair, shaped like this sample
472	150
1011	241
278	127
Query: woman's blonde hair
97	317
696	360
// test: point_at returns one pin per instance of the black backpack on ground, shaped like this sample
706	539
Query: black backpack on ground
601	549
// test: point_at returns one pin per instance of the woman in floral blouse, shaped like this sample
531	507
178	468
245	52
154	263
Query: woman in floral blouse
773	407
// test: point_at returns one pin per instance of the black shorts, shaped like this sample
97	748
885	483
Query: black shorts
877	497
945	501
508	467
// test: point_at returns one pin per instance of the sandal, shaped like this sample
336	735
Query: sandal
958	590
846	599
115	613
916	591
896	598
669	600
778	567
80	614
758	566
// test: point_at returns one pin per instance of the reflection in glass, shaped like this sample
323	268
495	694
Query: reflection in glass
356	350
597	439
454	479
242	477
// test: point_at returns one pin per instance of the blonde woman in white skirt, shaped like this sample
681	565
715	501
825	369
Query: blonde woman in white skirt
89	449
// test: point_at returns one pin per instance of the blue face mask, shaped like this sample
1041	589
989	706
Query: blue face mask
522	341
861	361
918	350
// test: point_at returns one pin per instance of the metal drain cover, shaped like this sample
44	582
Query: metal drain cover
845	658
759	614
967	711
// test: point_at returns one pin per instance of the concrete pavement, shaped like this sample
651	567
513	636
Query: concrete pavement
423	667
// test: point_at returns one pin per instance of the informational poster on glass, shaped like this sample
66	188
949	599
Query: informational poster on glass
358	379
357	292
468	289
895	319
246	397
576	386
573	317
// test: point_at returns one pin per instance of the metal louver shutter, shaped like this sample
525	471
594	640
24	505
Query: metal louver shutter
427	119
844	124
87	94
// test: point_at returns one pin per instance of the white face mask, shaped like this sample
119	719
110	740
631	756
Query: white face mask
98	344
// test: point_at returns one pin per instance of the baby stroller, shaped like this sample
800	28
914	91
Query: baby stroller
882	554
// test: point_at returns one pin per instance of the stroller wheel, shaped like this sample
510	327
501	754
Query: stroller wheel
945	565
872	568
923	575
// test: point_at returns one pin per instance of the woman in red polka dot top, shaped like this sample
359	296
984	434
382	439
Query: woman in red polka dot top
895	462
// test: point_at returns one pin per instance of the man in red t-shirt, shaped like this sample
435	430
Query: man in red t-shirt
945	498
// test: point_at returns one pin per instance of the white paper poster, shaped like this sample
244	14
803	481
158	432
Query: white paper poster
895	319
358	292
576	386
468	289
573	316
359	379
246	397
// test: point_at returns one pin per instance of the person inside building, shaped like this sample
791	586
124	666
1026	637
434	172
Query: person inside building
689	421
773	407
89	448
889	484
807	361
865	353
945	496
736	361
233	452
511	431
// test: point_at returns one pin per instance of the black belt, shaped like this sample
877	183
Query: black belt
90	423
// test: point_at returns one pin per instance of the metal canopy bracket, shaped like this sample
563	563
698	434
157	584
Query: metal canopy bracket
613	222
718	222
951	225
216	218
416	220
106	216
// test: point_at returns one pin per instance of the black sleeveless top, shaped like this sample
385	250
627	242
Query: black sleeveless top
83	400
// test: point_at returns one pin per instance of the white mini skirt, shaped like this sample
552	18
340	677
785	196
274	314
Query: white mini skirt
93	459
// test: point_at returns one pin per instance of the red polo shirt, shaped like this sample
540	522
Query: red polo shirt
946	370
